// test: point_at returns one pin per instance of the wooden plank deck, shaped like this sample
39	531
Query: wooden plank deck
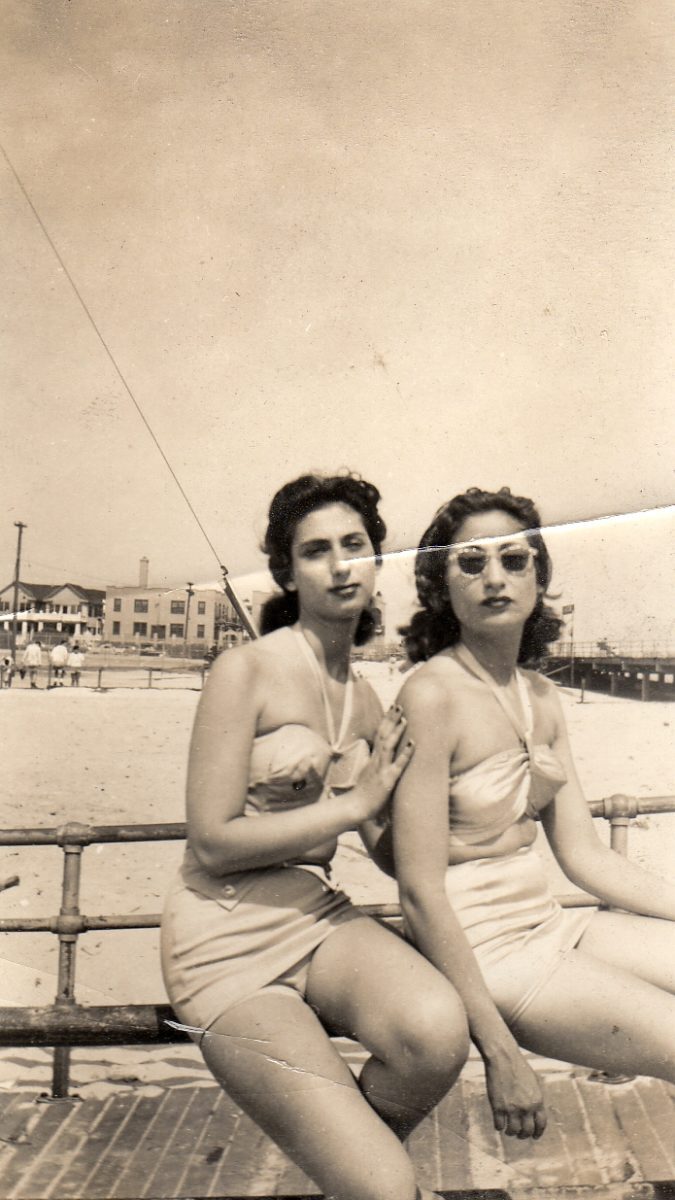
188	1140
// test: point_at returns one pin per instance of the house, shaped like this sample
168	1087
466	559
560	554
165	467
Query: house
52	610
191	613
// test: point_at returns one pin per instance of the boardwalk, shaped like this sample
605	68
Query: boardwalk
189	1140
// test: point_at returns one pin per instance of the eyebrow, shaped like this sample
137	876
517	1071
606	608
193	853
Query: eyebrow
315	543
500	542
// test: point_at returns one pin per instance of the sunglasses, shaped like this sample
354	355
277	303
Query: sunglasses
472	560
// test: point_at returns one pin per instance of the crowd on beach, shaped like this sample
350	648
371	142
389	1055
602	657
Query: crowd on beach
64	658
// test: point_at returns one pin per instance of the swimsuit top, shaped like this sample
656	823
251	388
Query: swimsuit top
497	792
291	766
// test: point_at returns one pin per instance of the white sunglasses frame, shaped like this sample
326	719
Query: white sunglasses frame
492	553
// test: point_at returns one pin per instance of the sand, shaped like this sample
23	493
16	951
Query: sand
120	756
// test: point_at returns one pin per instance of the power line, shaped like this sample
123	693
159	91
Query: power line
108	352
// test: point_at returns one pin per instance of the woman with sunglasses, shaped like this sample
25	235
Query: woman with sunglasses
491	760
264	958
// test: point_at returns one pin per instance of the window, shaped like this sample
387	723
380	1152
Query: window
116	629
141	628
201	608
178	606
140	606
200	632
117	604
176	630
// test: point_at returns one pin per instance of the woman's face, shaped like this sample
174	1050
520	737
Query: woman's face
332	564
495	597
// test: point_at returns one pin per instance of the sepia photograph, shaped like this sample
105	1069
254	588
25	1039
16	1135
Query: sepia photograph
337	578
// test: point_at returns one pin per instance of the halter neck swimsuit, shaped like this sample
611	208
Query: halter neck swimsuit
516	927
226	938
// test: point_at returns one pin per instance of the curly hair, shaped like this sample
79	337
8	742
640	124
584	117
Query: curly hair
293	502
435	626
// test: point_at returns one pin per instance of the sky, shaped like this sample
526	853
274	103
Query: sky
427	240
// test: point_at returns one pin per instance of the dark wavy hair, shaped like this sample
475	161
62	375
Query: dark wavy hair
435	626
290	504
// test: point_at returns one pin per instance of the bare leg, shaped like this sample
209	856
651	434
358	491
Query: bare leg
597	1015
366	983
274	1058
645	946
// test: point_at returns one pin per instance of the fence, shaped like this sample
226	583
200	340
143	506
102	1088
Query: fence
105	676
66	1023
611	650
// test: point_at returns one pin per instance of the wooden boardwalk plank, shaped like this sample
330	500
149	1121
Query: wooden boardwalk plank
247	1158
647	1128
101	1182
616	1159
116	1110
43	1123
451	1131
136	1148
193	1142
44	1173
219	1131
174	1164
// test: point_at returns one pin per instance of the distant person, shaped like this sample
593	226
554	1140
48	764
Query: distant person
6	671
211	654
59	660
75	664
32	660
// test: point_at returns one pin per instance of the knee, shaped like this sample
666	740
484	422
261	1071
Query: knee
395	1180
434	1037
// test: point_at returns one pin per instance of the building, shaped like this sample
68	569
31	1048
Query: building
189	614
52	610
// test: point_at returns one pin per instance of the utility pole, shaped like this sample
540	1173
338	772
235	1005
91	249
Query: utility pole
190	594
17	572
568	611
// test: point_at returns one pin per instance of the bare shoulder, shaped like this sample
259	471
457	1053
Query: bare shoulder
431	687
542	687
244	665
547	698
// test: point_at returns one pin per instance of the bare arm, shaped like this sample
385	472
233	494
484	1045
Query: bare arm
585	859
376	834
222	838
421	853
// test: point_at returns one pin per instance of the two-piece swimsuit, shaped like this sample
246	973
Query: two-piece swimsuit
516	927
228	937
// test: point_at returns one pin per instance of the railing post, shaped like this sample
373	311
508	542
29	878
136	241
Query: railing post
620	811
70	907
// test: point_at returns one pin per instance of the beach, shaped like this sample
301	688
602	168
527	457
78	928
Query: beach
120	756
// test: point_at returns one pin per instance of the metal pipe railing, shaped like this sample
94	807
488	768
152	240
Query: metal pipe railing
65	1023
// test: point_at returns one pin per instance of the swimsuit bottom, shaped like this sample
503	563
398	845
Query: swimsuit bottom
221	948
516	927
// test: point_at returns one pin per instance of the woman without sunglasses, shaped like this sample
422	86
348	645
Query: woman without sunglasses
260	950
593	988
